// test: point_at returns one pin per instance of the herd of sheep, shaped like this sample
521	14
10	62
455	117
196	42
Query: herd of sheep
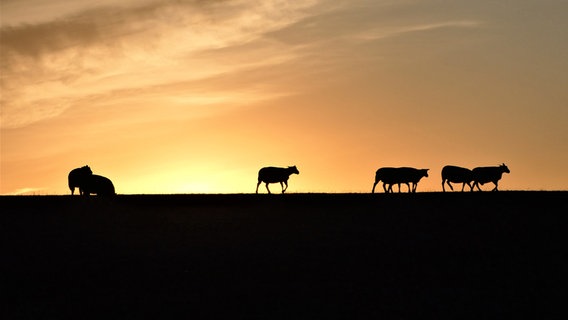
455	174
89	183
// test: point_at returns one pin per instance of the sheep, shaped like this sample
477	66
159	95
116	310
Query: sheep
77	177
488	174
384	174
457	175
408	175
274	175
99	185
405	175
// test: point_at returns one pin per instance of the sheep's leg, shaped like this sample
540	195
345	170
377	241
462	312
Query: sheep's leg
267	187
374	185
495	189
258	184
284	189
476	184
385	187
448	182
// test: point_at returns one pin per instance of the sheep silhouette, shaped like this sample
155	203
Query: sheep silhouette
77	178
456	174
482	175
99	185
407	175
274	175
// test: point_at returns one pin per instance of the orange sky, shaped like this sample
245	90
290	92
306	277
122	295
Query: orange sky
195	96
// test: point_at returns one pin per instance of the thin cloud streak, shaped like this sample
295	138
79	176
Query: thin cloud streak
384	33
20	12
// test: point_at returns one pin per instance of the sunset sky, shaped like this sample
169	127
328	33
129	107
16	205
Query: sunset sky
174	96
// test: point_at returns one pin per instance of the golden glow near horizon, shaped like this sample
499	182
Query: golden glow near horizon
193	96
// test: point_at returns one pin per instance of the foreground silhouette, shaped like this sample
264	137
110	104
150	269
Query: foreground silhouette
488	174
308	256
456	174
390	176
77	178
274	175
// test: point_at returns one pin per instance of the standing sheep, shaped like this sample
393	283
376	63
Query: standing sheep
386	175
488	174
406	175
456	175
77	177
274	175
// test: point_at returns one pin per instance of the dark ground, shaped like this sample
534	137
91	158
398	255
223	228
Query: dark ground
294	256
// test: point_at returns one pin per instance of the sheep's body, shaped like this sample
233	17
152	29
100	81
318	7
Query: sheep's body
99	185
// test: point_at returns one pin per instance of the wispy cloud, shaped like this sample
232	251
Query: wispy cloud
49	66
387	32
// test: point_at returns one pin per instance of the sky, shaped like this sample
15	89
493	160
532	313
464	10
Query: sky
175	96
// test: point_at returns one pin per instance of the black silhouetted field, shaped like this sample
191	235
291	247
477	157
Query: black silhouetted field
292	256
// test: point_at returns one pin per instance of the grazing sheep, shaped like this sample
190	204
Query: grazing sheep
405	175
488	174
99	185
274	175
77	177
456	174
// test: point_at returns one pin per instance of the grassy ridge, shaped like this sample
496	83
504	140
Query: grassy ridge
285	256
